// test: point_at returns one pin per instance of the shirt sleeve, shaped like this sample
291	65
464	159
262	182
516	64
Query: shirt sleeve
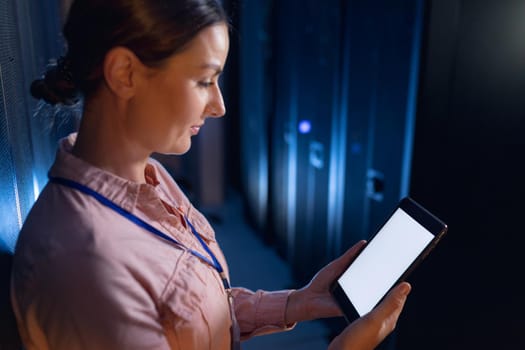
88	304
260	312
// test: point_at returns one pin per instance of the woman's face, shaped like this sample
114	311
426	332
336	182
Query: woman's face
173	102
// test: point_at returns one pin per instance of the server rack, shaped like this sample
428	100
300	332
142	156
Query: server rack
29	37
306	100
345	86
341	80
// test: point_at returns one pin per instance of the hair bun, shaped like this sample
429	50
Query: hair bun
57	86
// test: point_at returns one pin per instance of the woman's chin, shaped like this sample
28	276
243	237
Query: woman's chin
178	149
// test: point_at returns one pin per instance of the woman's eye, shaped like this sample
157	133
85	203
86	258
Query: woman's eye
205	84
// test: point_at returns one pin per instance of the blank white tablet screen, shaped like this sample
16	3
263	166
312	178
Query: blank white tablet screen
384	260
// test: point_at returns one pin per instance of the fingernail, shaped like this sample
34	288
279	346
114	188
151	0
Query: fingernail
405	288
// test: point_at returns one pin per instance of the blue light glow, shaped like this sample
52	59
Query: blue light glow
305	126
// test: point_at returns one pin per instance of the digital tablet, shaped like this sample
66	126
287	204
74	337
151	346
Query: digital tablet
402	242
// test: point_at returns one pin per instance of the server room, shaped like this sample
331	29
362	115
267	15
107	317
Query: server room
335	110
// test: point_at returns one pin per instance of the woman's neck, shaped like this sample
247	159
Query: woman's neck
102	142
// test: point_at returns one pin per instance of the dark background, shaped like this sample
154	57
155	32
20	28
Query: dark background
468	168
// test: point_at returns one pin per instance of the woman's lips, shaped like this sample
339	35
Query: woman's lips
195	129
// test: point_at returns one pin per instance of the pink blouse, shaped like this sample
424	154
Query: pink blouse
85	277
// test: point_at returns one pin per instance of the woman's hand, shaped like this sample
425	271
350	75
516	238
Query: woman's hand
314	300
368	331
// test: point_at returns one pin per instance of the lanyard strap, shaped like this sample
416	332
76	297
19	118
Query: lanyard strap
138	221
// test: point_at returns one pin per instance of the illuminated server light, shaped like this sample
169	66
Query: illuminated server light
305	126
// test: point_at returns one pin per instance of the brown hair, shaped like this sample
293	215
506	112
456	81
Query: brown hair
153	29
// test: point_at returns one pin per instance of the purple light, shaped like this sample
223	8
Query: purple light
305	126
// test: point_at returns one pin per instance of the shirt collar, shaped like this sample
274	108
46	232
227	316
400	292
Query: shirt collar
121	191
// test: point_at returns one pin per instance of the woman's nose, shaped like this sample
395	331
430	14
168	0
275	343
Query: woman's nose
216	108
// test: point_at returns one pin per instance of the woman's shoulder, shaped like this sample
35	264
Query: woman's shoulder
65	229
56	223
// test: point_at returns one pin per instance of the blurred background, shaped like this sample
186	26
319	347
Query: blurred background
335	111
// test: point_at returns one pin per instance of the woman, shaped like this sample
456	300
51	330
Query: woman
112	254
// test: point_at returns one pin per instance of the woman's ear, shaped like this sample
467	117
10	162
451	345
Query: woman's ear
122	70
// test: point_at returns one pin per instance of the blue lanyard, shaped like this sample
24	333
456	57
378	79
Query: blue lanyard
138	221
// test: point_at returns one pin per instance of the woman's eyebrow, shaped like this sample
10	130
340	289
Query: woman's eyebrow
217	68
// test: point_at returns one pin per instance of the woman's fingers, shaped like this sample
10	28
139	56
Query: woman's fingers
386	314
340	264
367	332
